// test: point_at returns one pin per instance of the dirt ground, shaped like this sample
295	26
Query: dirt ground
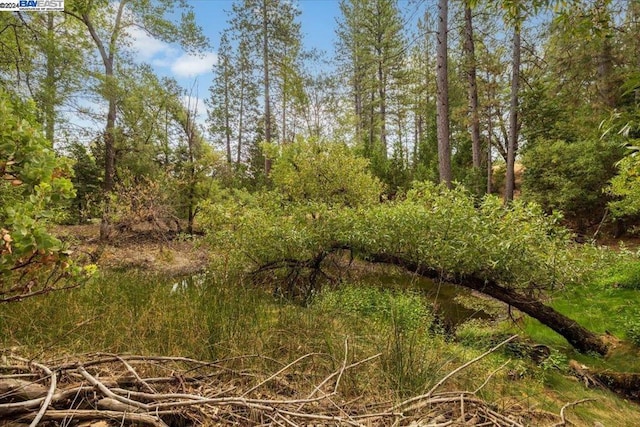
147	249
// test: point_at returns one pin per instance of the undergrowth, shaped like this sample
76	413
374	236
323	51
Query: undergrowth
142	313
608	304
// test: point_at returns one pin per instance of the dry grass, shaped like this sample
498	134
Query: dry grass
145	249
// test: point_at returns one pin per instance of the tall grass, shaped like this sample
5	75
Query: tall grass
212	319
142	313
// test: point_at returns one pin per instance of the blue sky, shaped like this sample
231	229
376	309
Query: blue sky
318	21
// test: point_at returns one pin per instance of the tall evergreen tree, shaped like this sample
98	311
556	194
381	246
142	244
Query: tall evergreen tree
272	34
471	72
372	49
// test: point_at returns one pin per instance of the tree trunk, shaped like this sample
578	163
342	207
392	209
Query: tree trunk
469	48
383	108
110	154
444	147
108	58
191	142
512	144
227	126
240	124
50	87
489	159
580	338
267	97
357	100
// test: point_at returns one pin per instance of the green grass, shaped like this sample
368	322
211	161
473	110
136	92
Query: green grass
624	274
606	307
141	313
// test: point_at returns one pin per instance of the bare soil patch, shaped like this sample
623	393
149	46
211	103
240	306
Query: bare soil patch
164	252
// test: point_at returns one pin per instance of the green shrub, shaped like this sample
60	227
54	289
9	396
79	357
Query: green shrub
34	185
518	246
625	187
570	177
404	311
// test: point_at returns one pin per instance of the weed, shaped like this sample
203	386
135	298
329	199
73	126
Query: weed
633	330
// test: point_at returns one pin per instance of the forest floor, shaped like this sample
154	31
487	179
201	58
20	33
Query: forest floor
141	248
236	321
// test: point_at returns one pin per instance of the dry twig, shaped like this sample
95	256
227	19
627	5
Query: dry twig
127	390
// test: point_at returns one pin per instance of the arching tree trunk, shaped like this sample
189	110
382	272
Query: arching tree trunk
579	337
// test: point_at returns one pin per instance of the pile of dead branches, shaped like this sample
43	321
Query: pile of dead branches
107	389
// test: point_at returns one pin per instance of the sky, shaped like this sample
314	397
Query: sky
194	73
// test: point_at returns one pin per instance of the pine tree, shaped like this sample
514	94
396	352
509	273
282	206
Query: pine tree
372	51
273	39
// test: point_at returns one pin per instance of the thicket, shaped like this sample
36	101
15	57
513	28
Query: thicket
34	186
518	246
570	178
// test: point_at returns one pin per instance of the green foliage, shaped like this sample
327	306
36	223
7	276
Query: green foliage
625	187
633	330
443	229
623	274
310	171
87	180
34	184
517	246
192	179
404	310
570	177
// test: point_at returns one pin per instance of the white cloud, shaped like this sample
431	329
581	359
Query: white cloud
193	102
163	55
188	65
148	47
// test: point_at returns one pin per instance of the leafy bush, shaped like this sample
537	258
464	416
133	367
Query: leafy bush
34	184
87	180
625	187
324	172
570	177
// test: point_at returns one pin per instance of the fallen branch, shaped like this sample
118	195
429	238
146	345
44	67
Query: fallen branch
116	388
47	399
563	421
423	400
